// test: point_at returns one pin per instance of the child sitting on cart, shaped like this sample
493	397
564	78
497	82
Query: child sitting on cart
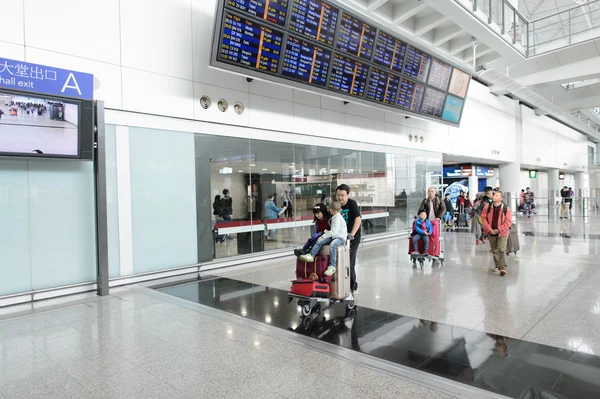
422	231
334	237
321	225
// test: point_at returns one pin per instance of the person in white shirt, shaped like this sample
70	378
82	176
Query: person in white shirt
334	237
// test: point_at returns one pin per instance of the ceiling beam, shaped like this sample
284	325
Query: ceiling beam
404	11
373	5
563	74
443	35
581	103
460	44
424	25
497	90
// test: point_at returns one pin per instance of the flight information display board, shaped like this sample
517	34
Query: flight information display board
348	75
249	44
389	52
382	86
417	64
318	45
440	74
306	61
270	10
433	102
410	95
315	19
356	37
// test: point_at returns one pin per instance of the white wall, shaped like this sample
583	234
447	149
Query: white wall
549	144
159	64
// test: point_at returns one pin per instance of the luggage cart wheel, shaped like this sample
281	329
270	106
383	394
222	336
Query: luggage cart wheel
306	309
421	263
350	305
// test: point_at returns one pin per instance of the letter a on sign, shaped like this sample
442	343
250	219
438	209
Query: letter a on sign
71	83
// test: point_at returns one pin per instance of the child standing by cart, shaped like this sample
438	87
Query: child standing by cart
334	237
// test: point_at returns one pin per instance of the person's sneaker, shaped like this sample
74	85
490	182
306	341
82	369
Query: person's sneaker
415	252
490	251
503	270
483	240
476	242
307	258
494	269
297	252
330	271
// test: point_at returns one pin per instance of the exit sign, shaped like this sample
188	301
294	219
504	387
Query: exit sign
532	174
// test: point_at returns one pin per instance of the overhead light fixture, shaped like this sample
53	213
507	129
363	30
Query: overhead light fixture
265	169
240	171
273	172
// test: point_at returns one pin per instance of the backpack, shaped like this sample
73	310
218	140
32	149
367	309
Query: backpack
504	209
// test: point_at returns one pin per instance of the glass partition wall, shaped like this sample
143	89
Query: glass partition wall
172	180
387	186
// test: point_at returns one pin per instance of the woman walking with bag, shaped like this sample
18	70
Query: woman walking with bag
476	222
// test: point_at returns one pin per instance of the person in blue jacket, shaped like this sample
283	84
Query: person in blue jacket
272	211
422	231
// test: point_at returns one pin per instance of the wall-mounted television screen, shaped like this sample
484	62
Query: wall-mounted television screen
38	126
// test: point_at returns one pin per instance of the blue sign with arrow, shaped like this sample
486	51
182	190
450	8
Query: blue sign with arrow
19	75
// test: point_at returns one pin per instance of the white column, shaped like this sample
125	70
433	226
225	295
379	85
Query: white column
582	184
554	183
473	186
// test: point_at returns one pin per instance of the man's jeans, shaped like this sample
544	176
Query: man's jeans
416	239
527	207
333	244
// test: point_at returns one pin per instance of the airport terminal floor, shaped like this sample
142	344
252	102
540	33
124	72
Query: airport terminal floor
439	331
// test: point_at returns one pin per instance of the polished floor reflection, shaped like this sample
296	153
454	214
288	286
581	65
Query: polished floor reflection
507	366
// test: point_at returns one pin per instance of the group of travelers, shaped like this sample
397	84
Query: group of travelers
491	219
333	226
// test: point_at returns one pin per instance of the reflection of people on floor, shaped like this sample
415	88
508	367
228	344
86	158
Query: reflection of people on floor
1	113
272	211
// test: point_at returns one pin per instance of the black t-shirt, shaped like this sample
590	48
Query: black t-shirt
350	212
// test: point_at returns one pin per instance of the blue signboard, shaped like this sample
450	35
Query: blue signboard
452	171
19	75
484	171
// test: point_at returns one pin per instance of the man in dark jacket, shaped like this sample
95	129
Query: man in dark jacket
448	203
433	206
488	198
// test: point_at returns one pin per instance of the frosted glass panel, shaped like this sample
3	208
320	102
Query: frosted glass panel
112	210
15	274
62	223
163	199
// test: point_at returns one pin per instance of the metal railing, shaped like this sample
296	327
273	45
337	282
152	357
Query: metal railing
551	207
531	37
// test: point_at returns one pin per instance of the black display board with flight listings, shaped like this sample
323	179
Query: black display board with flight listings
319	46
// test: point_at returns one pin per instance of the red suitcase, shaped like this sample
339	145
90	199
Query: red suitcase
434	240
318	267
310	288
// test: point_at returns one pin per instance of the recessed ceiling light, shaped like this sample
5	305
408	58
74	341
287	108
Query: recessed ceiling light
265	169
240	171
252	165
273	172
